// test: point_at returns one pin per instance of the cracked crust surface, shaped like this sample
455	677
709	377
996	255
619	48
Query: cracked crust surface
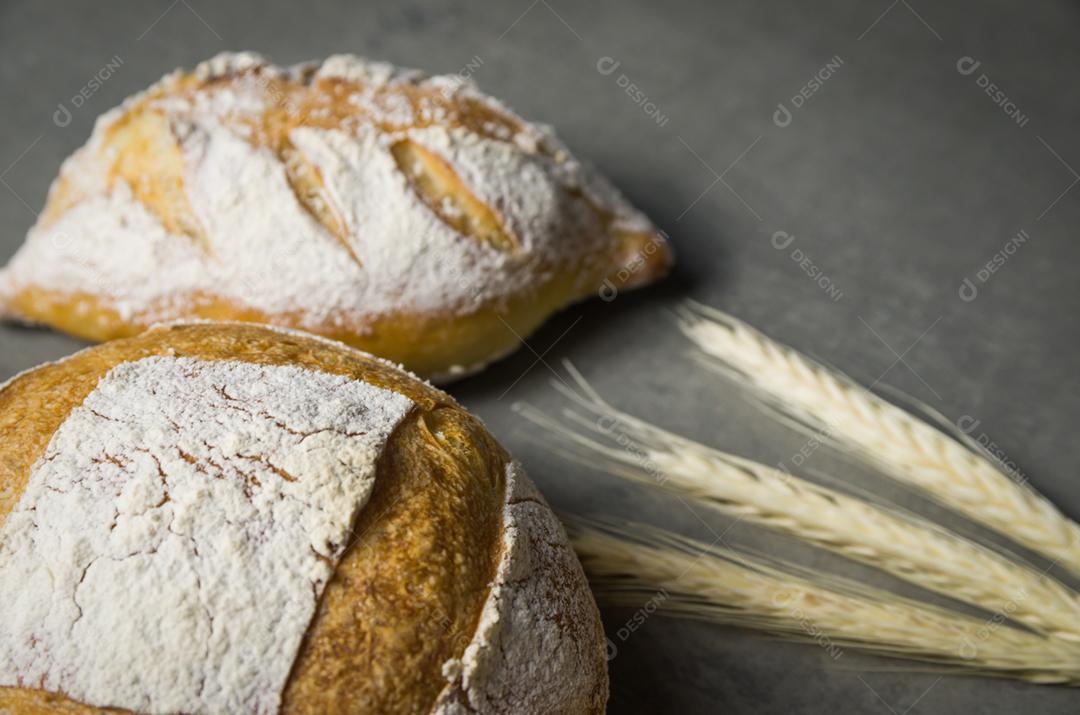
409	216
419	586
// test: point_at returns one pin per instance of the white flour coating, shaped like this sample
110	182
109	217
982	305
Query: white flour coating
264	250
538	647
172	542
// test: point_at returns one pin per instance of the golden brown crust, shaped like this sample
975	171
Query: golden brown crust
408	593
139	148
27	701
426	548
421	342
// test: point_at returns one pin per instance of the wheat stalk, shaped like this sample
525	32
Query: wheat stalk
904	545
630	564
903	447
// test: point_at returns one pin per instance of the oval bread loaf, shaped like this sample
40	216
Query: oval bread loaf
232	518
410	216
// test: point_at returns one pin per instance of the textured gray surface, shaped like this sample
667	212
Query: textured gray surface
898	178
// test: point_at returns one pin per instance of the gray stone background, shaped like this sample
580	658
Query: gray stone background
898	177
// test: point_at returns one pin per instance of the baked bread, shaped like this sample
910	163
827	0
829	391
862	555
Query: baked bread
409	216
233	518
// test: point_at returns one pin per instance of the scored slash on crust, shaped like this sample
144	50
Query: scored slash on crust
442	190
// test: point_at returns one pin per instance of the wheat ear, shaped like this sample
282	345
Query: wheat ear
902	544
631	564
902	446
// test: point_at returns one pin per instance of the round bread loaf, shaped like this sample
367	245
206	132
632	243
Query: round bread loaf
409	216
217	517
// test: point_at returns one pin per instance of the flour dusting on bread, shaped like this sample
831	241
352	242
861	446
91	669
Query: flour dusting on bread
538	646
173	541
288	197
